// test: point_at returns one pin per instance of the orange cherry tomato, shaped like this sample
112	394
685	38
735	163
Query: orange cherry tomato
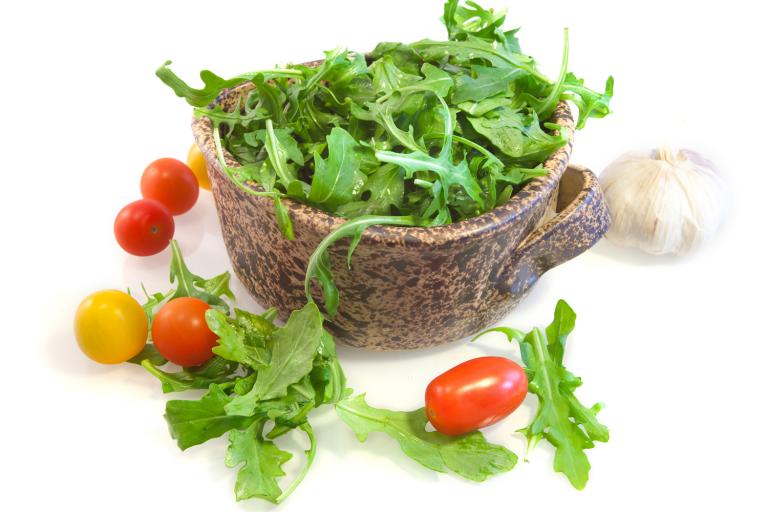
172	183
181	334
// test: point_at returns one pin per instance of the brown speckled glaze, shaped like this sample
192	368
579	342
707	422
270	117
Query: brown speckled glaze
412	287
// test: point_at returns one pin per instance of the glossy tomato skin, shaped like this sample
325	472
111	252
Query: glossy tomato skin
196	162
110	327
172	183
475	394
144	227
180	333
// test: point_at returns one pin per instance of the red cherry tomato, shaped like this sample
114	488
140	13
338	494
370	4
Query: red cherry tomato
181	334
475	394
172	183
144	227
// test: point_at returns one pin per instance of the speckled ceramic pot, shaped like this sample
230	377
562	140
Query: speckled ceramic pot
413	287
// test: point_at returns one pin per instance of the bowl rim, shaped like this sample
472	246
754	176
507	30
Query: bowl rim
481	226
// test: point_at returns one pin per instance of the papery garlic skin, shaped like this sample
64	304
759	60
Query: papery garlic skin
663	201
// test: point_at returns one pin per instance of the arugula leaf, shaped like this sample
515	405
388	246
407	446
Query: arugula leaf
191	379
589	102
485	82
270	99
402	55
560	328
450	174
261	461
505	131
284	221
196	97
469	456
238	340
385	187
193	422
244	117
191	285
464	52
482	107
258	139
351	79
517	135
561	419
381	114
294	347
338	179
387	77
552	418
214	84
319	267
474	21
278	155
435	81
327	376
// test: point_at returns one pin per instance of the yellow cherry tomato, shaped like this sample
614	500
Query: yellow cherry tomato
110	327
196	162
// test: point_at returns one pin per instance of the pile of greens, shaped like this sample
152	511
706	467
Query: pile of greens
427	133
264	381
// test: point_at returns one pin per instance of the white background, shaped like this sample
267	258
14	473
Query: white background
675	348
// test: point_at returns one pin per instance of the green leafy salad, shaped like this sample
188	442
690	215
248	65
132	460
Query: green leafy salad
419	134
431	132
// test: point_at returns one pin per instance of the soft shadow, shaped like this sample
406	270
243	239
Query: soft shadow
191	227
336	437
146	269
63	356
357	354
631	255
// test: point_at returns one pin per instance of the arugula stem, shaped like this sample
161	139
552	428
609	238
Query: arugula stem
307	428
353	227
228	170
349	228
276	154
482	49
545	110
274	72
490	156
542	354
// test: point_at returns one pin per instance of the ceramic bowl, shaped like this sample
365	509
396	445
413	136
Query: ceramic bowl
412	287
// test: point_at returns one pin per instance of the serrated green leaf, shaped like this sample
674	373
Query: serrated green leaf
337	179
560	418
385	187
469	456
294	347
261	462
184	380
485	82
238	342
191	285
193	422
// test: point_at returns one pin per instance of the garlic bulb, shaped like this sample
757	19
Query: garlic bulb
664	201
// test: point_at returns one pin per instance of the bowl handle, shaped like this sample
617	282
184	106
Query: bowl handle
582	218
